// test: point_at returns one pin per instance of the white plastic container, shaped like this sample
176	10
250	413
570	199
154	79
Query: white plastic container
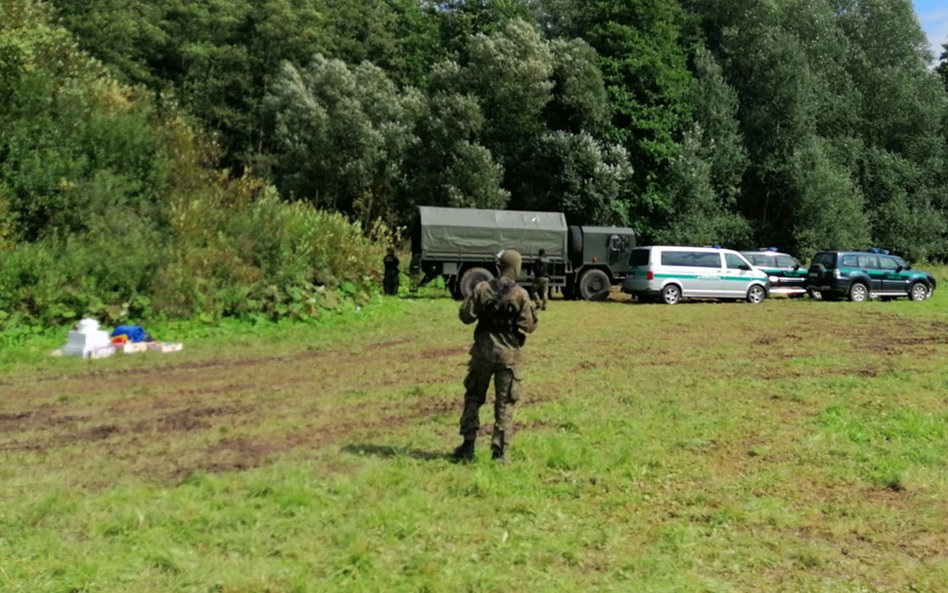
87	339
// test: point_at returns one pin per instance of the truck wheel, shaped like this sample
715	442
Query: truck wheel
919	292
594	285
472	278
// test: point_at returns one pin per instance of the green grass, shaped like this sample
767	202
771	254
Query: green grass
792	446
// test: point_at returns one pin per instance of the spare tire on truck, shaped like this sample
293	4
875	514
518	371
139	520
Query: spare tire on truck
575	245
471	278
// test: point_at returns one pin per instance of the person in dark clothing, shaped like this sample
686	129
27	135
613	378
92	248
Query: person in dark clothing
541	278
390	282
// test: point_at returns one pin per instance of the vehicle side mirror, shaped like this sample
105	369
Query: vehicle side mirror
796	267
744	267
899	268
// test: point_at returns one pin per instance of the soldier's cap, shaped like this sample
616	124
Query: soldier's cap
509	262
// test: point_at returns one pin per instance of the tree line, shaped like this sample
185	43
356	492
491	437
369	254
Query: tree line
802	124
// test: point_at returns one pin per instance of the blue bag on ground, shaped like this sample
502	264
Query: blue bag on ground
135	333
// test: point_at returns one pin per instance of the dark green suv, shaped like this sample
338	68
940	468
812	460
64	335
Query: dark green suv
861	275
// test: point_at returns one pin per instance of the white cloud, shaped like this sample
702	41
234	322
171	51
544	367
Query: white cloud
935	24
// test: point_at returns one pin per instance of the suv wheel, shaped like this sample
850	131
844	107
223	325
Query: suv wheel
919	292
756	294
858	292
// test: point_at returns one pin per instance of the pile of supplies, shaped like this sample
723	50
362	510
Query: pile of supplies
89	341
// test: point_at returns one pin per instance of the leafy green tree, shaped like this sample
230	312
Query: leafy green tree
942	68
902	166
74	144
509	73
829	212
459	20
644	67
579	99
448	166
219	58
343	135
714	138
579	175
699	214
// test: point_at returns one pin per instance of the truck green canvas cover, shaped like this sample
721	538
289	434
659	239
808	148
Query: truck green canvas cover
468	233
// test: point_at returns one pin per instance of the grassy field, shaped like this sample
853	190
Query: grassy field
795	446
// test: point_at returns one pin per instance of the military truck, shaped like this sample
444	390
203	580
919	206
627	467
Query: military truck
460	245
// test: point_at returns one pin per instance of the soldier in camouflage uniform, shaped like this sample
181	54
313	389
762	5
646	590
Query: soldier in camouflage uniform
504	314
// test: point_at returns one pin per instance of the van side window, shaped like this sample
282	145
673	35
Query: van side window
706	260
675	258
734	262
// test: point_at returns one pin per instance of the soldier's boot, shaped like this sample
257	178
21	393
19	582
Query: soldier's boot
464	452
499	455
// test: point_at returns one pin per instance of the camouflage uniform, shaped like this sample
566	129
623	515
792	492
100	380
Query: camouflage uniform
504	314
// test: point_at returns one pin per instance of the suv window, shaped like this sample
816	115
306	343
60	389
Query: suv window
868	261
850	261
888	263
734	261
639	257
827	259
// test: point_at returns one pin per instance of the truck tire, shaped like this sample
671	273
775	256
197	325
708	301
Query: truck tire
471	278
594	285
575	245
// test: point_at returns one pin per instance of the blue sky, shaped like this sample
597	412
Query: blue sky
933	15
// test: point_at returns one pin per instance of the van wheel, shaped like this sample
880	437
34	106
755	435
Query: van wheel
756	294
594	285
671	294
919	291
472	278
858	292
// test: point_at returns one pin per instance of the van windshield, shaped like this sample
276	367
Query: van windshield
639	257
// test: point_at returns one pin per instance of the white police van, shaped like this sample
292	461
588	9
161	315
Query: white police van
669	274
